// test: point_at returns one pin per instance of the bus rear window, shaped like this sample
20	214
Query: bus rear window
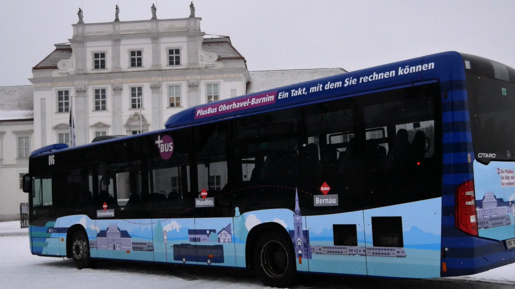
492	103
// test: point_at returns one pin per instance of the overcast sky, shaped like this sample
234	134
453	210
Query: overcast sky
279	34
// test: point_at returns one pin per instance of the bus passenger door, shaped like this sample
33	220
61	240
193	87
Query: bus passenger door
213	233
120	235
43	218
214	241
170	205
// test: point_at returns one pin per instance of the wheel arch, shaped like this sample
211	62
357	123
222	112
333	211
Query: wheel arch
69	237
253	235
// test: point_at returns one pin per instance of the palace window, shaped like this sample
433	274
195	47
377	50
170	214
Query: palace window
174	95
136	58
63	138
63	101
100	99
212	92
214	183
136	97
174	57
23	147
99	60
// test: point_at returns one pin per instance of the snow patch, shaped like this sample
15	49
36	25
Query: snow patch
16	114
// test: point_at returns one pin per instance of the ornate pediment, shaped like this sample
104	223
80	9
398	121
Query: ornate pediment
100	125
61	126
135	120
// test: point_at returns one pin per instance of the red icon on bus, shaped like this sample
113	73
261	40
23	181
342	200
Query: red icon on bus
104	206
325	188
203	194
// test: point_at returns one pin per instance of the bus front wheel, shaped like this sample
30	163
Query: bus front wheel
273	260
80	250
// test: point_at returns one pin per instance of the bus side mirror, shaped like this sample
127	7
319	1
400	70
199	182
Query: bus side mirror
27	184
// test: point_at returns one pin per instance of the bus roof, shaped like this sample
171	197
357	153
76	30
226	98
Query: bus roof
433	67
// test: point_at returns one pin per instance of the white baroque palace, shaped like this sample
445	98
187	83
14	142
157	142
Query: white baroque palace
111	74
121	78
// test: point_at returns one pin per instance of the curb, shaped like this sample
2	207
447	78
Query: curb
13	234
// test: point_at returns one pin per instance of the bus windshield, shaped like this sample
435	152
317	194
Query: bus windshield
492	103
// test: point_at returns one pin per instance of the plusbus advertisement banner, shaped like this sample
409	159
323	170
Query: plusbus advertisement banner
237	104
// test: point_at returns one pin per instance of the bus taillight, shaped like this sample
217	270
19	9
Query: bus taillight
465	212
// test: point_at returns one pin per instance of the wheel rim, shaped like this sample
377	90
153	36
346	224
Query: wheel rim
274	259
79	249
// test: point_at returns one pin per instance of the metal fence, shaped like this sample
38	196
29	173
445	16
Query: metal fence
24	215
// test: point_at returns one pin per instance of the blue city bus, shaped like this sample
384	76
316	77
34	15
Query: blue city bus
402	170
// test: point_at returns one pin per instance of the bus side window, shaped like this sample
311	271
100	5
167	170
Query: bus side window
107	191
42	194
400	145
123	187
84	188
212	165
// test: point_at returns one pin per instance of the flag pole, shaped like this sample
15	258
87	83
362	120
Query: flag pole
140	115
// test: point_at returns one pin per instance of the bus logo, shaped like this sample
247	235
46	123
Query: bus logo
487	155
165	146
51	160
105	213
203	194
325	188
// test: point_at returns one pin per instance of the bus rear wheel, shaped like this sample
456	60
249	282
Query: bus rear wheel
274	262
80	250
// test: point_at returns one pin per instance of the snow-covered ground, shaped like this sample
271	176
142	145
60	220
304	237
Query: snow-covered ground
20	269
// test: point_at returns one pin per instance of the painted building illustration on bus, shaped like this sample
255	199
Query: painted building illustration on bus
210	235
225	235
493	212
203	253
299	237
114	239
118	240
360	251
202	235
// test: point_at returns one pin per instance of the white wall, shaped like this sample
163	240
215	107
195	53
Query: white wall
12	166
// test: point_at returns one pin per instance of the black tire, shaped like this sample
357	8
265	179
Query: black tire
274	260
80	250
